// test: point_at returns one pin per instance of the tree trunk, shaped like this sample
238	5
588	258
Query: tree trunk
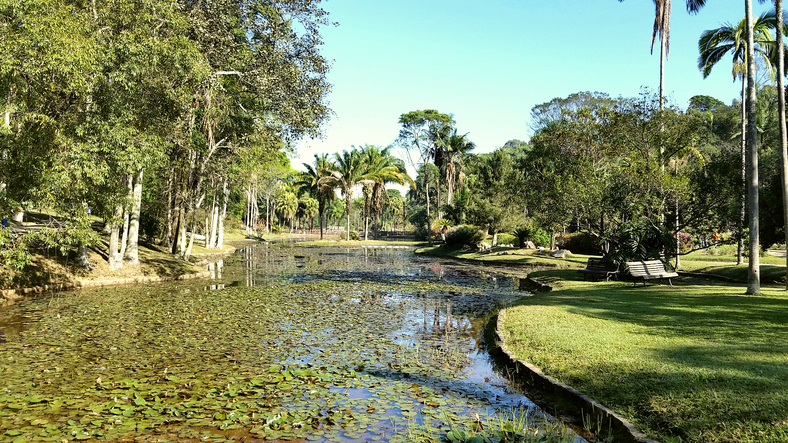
347	209
83	260
210	223
222	215
743	187
778	7
113	257
132	249
130	195
754	272
182	232
170	213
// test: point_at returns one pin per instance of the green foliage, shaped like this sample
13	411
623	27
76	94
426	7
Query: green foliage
354	236
14	253
464	235
579	243
541	238
507	239
523	234
638	241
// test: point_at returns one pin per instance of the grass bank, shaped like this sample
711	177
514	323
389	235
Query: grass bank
699	362
772	268
508	256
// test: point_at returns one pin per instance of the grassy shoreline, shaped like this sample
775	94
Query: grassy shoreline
699	362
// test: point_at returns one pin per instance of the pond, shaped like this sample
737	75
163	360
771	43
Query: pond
283	343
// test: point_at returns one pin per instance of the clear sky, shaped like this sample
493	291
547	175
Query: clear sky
489	62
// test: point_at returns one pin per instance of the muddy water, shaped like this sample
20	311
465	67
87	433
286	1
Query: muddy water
284	342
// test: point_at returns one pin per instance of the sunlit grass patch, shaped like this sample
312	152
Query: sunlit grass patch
697	362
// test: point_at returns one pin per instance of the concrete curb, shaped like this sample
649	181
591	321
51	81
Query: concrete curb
585	406
8	296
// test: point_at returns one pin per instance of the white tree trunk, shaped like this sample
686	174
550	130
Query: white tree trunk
222	215
207	242
214	222
132	245
113	257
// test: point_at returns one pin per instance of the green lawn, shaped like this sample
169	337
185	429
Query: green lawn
698	362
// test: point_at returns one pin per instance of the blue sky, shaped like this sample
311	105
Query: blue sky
489	62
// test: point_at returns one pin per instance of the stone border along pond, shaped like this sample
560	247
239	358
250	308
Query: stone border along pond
318	344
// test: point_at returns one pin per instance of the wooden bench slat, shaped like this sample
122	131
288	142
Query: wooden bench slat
650	270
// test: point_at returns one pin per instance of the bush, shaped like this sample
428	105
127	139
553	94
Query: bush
638	241
507	239
523	233
463	235
685	242
580	243
541	238
354	236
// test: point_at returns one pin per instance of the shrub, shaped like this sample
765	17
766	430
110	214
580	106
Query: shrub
507	239
541	238
463	235
638	241
685	241
580	243
523	233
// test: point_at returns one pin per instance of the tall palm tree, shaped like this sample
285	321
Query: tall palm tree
345	173
715	44
662	27
753	270
373	161
778	7
322	191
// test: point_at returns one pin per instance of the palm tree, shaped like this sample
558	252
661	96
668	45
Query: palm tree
373	161
392	170
456	147
307	208
345	173
753	271
287	205
715	44
778	7
310	181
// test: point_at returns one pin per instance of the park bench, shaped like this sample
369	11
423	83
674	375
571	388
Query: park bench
649	270
598	267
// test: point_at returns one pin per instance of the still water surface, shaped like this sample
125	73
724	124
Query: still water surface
284	342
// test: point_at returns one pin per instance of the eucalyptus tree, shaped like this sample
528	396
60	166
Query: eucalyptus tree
425	131
713	46
310	181
347	171
267	85
113	96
